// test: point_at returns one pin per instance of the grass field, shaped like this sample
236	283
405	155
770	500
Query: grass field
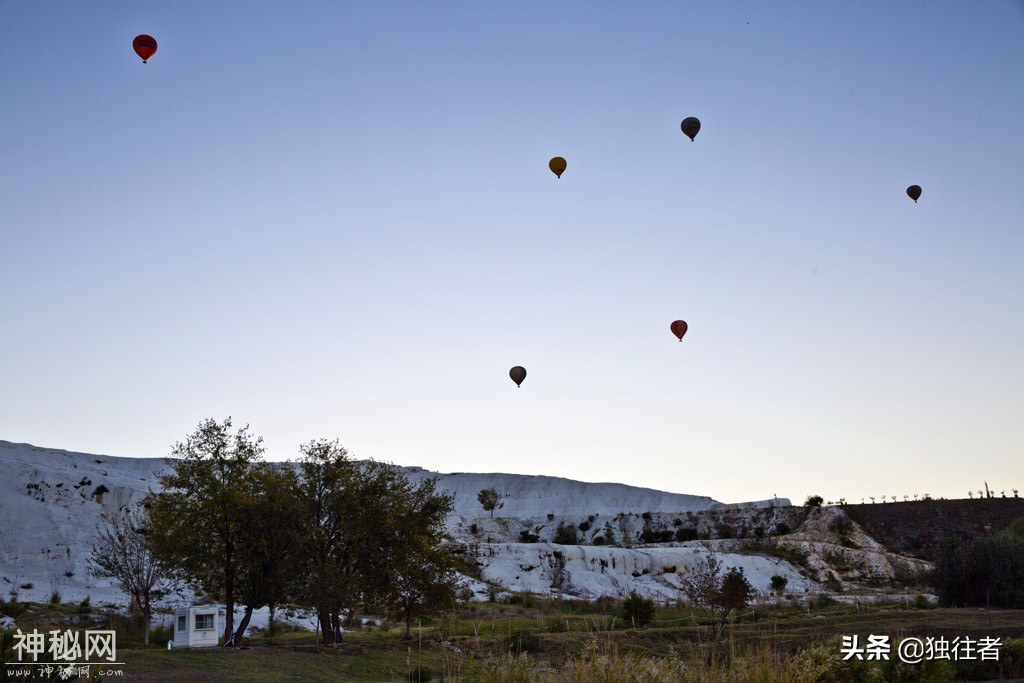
546	640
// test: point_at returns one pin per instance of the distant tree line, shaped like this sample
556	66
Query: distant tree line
333	535
985	572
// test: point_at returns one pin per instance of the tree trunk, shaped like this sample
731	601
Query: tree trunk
244	624
270	622
229	594
325	626
408	623
147	614
336	624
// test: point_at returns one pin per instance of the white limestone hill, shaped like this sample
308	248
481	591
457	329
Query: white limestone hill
628	538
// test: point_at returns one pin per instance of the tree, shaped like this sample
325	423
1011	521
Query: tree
706	588
735	591
326	577
268	543
122	553
196	521
813	502
779	583
490	500
419	571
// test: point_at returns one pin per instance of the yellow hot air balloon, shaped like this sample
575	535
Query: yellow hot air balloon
557	166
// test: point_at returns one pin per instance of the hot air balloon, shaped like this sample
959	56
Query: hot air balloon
690	126
557	166
679	328
518	374
914	192
145	46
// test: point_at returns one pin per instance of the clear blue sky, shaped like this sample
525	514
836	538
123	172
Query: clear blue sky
337	220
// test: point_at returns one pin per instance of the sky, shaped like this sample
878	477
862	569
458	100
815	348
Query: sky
336	220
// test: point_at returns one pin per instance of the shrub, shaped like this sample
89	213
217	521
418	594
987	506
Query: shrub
27	586
585	526
598	540
100	490
779	583
566	535
646	516
666	535
55	597
781	529
686	534
473	528
526	537
813	502
551	516
638	610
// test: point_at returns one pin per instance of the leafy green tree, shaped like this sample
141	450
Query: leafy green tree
268	543
490	500
813	502
197	520
328	553
419	577
736	591
122	553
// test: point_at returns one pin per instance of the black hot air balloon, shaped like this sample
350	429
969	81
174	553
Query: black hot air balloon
679	328
518	374
914	192
557	166
690	126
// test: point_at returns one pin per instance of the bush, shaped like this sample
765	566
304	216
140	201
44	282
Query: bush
779	583
598	540
526	537
638	610
585	526
473	529
686	534
566	535
813	502
781	529
551	516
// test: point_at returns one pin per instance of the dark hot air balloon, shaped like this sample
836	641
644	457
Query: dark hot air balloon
518	374
679	328
145	46
914	192
690	126
557	166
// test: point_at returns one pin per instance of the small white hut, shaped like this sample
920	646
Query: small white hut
197	626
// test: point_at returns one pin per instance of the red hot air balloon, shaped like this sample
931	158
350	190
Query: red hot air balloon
145	46
914	192
518	374
679	328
